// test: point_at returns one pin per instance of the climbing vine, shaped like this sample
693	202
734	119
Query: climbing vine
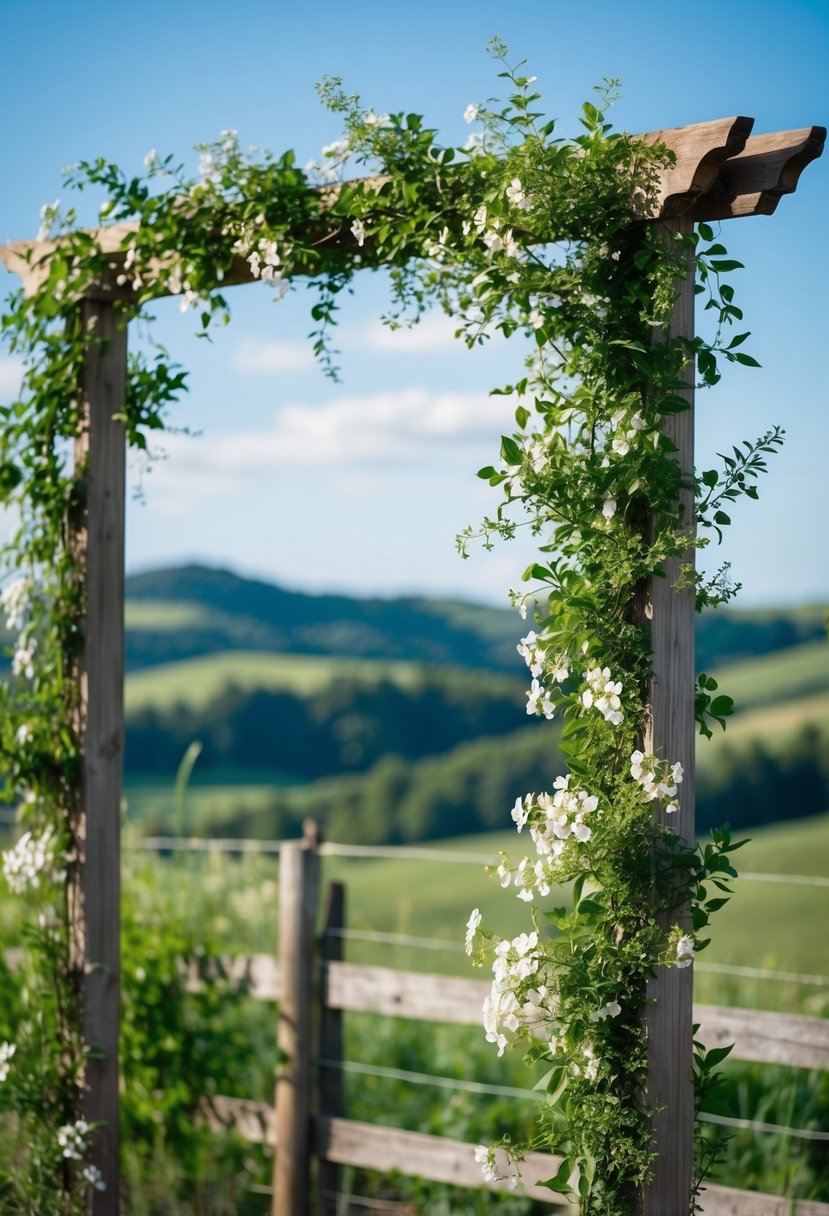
518	231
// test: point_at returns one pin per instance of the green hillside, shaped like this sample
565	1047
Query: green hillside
192	610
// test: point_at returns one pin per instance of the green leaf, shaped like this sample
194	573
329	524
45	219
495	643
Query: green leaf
510	451
561	1182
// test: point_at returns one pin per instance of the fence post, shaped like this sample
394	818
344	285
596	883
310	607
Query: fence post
100	460
671	735
331	1099
299	866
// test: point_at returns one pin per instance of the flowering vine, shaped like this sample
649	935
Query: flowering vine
520	231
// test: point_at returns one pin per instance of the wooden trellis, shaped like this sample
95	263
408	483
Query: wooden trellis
721	172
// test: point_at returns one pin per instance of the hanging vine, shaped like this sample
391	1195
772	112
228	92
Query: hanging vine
520	231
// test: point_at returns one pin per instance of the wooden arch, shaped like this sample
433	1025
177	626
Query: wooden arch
721	171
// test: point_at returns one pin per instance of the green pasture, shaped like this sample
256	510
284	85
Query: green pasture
784	675
769	925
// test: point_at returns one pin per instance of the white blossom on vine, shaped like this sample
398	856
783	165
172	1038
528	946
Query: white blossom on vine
539	701
603	694
72	1139
684	950
486	1158
472	926
16	602
23	660
7	1050
32	861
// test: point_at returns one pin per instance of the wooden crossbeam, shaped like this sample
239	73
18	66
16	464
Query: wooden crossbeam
754	180
721	172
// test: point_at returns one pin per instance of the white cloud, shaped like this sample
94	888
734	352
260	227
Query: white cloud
254	357
11	373
411	430
434	332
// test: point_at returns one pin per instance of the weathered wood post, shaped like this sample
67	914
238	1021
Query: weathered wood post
100	457
330	1096
670	734
299	876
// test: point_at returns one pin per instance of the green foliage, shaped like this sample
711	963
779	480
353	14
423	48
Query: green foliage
518	231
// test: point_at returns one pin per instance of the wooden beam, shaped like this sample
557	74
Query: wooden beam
703	151
374	1147
700	151
330	1042
767	1038
670	733
100	458
299	867
753	181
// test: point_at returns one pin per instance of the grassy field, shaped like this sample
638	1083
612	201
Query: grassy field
800	673
768	925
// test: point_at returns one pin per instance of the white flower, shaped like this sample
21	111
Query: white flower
72	1139
521	810
151	159
472	928
479	218
603	693
517	197
15	601
378	120
358	232
470	113
529	650
609	506
487	1160
189	299
7	1050
536	319
611	1010
658	778
23	734
474	142
23	660
539	701
94	1177
207	164
685	950
33	858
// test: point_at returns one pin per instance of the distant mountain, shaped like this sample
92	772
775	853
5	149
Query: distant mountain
189	611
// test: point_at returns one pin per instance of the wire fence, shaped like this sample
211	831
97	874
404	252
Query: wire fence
508	1091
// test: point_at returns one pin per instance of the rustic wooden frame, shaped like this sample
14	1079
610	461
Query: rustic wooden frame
720	171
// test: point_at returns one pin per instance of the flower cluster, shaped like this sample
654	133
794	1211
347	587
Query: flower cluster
15	602
7	1050
603	694
33	860
73	1139
487	1158
658	778
515	1007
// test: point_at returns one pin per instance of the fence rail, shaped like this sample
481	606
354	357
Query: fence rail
758	1036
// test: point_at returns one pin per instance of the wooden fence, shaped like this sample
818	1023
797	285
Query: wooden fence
315	988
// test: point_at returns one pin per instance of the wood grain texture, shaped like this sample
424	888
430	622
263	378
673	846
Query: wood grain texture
670	733
728	1201
375	1147
700	150
298	896
767	1038
330	1043
754	181
100	455
372	1146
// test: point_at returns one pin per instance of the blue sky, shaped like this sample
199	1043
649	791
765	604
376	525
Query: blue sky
362	486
